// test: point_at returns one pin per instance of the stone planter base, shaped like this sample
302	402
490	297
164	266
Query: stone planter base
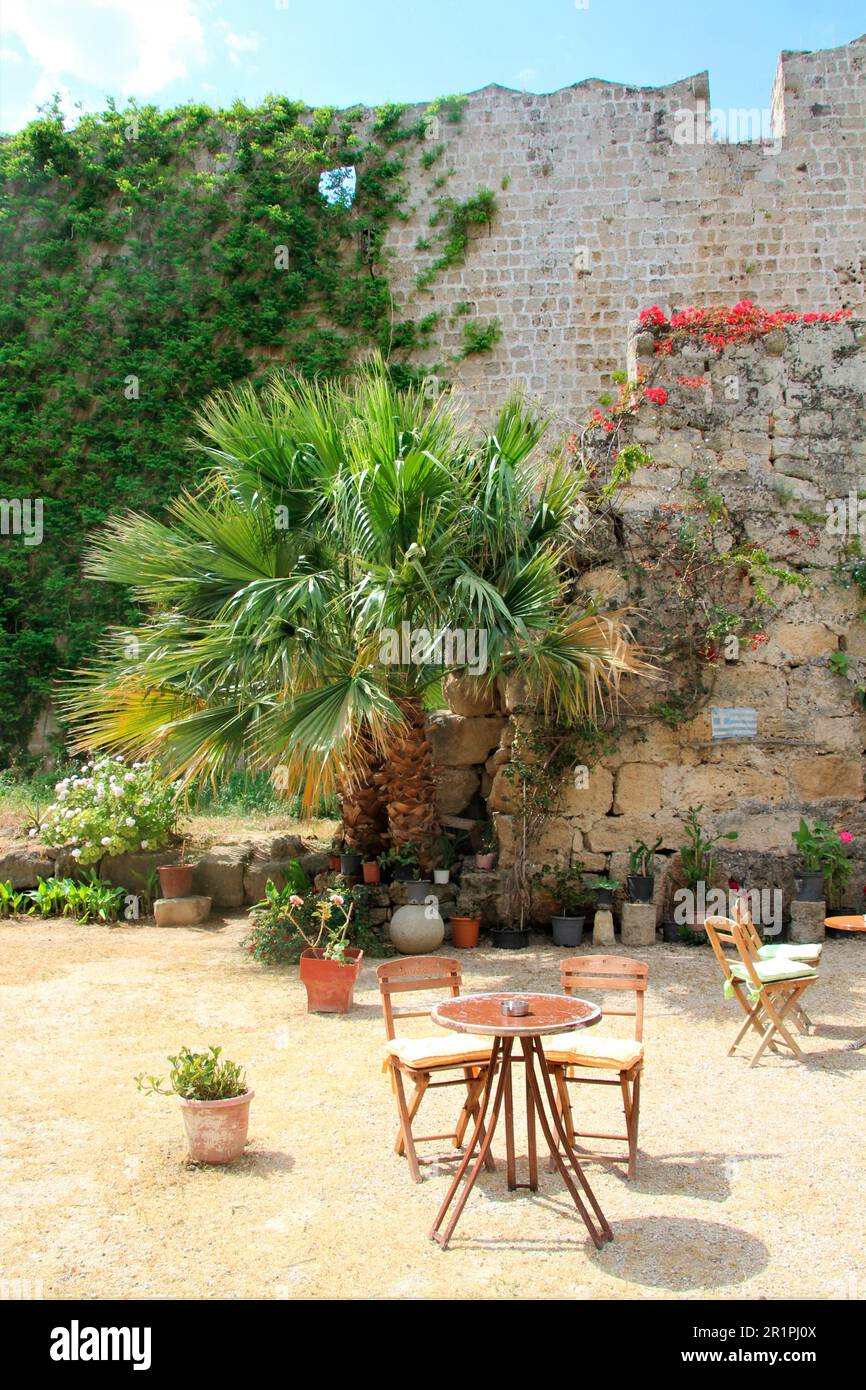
807	922
638	924
602	930
181	912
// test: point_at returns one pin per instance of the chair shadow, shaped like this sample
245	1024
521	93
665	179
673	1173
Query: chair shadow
703	1176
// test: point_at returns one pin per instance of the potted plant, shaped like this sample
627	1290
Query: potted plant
214	1103
640	881
699	865
175	880
824	861
486	856
464	932
405	867
570	894
335	854
447	854
329	965
371	871
350	864
604	888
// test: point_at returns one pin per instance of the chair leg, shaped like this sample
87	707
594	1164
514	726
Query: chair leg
631	1105
405	1141
776	1025
475	1080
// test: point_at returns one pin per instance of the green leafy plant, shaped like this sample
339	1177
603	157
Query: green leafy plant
698	861
401	857
12	901
111	808
823	850
447	851
838	663
568	887
197	1076
285	922
92	900
488	838
640	857
605	883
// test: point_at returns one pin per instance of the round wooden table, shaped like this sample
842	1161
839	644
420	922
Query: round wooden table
548	1013
845	923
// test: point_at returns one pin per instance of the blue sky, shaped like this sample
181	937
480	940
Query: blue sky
345	51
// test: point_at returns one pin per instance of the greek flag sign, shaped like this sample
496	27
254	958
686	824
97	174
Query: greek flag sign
734	722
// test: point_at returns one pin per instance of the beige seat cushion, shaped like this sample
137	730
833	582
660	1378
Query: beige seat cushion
441	1050
616	1054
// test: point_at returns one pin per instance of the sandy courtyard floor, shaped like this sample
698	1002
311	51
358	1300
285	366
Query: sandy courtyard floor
749	1182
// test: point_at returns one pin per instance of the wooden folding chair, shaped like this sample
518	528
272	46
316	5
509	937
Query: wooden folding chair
573	1057
807	952
766	990
419	1059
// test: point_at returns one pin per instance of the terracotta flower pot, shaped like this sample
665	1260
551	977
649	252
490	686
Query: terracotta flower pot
216	1130
484	861
334	863
330	986
175	880
371	871
464	932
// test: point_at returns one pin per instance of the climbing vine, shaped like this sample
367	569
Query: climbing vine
148	258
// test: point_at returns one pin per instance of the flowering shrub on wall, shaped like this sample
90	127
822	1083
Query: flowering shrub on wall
111	808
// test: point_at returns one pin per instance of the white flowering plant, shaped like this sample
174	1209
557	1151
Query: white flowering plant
111	807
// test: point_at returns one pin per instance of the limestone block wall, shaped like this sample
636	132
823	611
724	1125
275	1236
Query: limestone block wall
793	441
603	209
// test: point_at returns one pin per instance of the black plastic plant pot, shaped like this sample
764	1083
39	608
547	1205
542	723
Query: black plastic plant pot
508	939
809	888
402	873
604	898
640	888
671	931
417	889
350	865
567	931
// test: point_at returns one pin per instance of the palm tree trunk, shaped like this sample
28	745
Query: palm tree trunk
362	806
409	786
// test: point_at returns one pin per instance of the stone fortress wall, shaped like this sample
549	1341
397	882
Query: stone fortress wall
605	212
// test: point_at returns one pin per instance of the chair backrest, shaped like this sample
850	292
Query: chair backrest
747	952
741	914
414	975
720	931
608	973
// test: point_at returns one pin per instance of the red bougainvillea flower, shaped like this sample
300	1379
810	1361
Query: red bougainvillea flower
733	885
846	837
657	394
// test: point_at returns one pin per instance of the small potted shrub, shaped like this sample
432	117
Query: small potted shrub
371	871
350	863
604	888
175	880
699	865
335	854
329	965
214	1103
486	856
640	881
447	854
572	897
824	862
464	932
405	867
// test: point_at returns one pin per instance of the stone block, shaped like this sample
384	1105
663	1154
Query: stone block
638	788
255	878
602	928
220	875
819	777
587	804
22	867
638	925
132	871
470	696
181	912
807	922
462	742
455	788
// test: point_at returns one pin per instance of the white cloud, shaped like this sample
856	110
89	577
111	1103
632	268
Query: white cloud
136	46
8	55
238	44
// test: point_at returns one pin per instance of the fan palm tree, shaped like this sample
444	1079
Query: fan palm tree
329	515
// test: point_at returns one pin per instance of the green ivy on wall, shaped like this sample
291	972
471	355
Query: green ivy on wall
148	258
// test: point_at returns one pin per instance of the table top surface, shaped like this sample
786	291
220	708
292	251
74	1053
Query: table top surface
548	1013
846	923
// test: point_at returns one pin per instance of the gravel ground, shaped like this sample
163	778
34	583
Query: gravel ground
749	1182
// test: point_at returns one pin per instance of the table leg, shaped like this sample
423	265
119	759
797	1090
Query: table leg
501	1051
510	1157
531	1149
533	1048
